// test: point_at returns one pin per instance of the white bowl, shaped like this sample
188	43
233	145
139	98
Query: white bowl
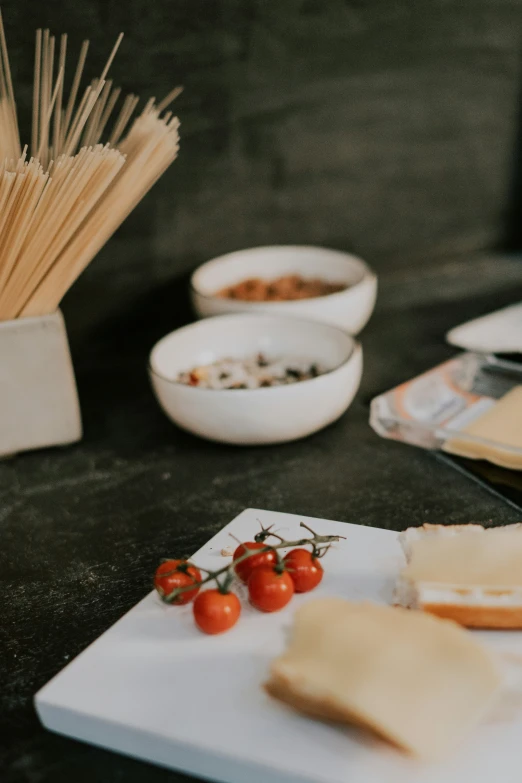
256	416
349	309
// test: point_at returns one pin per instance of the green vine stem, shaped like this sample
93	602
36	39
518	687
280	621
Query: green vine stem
320	545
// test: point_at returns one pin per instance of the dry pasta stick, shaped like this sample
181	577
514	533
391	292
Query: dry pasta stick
10	139
7	94
59	208
58	110
78	194
74	260
30	192
168	99
82	114
43	144
95	185
130	186
129	104
91	127
74	92
36	91
115	94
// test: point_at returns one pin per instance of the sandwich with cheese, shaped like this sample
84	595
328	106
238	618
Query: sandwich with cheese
465	573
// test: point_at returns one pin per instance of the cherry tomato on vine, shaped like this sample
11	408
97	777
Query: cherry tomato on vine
270	589
216	612
305	570
249	564
177	573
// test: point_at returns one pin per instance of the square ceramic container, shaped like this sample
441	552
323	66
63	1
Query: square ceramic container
38	398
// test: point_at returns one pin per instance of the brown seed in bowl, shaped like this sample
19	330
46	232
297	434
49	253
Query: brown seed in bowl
281	289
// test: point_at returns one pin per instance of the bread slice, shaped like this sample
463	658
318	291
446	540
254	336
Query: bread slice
407	537
465	573
417	681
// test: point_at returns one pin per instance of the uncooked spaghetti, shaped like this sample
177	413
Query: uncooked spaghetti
86	171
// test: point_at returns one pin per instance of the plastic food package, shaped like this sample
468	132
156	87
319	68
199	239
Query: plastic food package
470	405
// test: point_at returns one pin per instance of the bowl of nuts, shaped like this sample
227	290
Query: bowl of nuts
255	379
295	280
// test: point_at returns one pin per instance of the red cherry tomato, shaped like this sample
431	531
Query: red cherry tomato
305	570
270	590
249	564
177	573
215	612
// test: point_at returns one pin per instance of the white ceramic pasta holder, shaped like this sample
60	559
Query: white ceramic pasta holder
39	404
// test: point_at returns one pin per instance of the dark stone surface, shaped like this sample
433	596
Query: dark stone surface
386	127
82	528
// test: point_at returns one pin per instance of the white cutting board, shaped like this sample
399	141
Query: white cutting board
155	688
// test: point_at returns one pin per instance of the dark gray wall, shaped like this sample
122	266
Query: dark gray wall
387	127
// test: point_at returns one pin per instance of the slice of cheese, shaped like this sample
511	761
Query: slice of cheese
502	426
417	681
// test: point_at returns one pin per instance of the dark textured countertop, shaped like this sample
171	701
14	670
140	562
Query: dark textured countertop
82	528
